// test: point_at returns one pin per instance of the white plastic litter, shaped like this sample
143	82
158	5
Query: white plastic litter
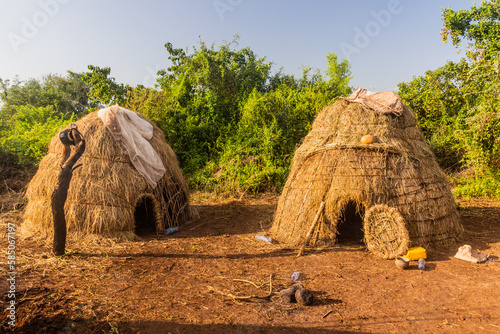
133	133
468	254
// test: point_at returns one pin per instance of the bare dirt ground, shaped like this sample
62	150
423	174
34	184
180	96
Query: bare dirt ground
187	282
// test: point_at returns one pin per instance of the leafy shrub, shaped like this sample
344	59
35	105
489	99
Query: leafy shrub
32	111
457	105
234	126
33	128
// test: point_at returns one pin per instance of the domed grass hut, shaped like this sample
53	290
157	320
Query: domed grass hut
107	196
367	160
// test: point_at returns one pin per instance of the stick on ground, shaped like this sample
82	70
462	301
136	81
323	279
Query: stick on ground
234	297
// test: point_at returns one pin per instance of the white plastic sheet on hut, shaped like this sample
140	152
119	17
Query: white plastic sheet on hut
133	133
383	103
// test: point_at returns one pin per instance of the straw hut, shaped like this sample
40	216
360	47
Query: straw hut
107	196
387	190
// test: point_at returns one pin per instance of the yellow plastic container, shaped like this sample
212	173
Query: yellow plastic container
416	253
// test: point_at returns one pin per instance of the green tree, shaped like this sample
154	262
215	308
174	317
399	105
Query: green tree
339	75
233	124
439	100
479	27
458	104
67	95
204	92
103	89
32	131
32	112
257	155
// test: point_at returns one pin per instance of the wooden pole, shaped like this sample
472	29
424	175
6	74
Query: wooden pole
311	229
60	193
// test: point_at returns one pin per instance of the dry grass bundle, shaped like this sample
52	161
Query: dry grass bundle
398	169
385	233
107	196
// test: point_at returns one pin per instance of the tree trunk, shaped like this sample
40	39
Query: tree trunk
60	193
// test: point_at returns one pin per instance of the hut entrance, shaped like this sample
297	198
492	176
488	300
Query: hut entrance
144	216
350	223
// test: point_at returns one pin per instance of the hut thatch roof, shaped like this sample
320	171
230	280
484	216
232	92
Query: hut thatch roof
393	190
107	196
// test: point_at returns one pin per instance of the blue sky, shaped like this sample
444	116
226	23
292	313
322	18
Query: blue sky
386	41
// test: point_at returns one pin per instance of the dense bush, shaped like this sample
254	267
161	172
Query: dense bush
33	111
457	105
233	125
438	101
33	128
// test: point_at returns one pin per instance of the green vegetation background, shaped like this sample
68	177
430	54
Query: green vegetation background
235	123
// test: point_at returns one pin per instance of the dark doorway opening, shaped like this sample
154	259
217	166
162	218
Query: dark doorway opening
350	224
144	217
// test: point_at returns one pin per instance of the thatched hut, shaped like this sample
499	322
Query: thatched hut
389	191
107	195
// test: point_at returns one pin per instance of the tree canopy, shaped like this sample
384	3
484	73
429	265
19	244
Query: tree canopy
234	124
231	119
457	105
479	27
32	112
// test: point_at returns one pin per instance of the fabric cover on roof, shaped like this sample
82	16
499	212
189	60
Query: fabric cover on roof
132	133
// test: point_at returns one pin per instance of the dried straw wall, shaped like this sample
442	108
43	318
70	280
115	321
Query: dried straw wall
105	190
399	170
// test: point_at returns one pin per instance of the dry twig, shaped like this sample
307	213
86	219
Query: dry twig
327	314
313	226
249	282
234	297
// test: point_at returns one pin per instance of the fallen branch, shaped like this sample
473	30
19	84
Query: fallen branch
228	294
249	282
234	297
